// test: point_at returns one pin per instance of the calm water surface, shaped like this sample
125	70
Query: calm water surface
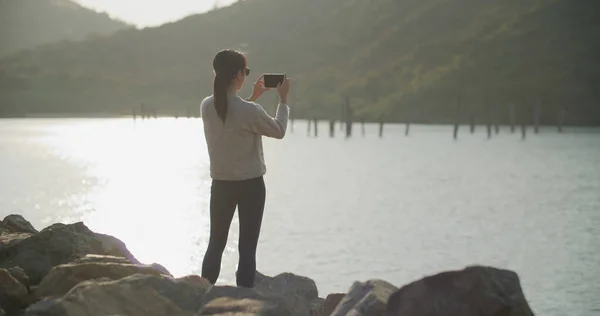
396	208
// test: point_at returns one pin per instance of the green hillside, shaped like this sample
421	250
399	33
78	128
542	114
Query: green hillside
28	23
406	60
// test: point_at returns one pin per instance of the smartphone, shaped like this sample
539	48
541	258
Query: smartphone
273	79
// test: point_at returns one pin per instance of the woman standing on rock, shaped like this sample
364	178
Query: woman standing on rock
233	128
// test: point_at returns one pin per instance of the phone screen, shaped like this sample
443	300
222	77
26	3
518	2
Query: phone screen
272	80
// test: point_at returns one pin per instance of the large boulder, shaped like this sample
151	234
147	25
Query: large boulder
65	276
135	295
474	291
195	281
17	224
4	229
299	292
316	307
365	299
8	239
93	258
13	294
226	306
113	246
222	300
331	302
159	268
59	244
19	275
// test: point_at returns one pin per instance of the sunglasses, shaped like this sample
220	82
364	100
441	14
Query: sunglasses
247	71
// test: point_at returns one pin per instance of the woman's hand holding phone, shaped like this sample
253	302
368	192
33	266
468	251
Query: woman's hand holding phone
284	90
258	89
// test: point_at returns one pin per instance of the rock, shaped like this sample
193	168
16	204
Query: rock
216	291
13	294
195	280
316	307
226	306
93	258
58	244
64	277
4	229
19	275
17	224
7	240
331	302
185	294
161	269
297	291
134	295
89	258
114	246
219	300
474	291
365	299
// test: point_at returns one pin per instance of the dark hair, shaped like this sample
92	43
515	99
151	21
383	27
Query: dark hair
226	64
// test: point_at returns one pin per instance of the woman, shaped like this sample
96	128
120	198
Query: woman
233	128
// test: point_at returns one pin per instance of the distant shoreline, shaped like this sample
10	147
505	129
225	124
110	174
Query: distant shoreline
357	123
66	116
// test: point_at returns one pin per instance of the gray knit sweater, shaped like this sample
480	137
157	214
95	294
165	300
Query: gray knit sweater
235	148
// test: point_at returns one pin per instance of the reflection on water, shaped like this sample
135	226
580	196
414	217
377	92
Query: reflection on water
337	210
145	183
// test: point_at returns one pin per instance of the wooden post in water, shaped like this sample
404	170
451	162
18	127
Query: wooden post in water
455	134
496	118
523	127
458	104
559	121
187	112
331	128
343	113
489	121
459	96
472	123
513	119
349	128
381	126
316	125
133	114
407	122
362	126
349	118
537	109
308	127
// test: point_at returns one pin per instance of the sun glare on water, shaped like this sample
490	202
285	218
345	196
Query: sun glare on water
152	185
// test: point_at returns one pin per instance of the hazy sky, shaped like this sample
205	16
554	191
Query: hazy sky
151	12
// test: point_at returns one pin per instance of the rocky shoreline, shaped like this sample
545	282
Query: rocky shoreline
71	270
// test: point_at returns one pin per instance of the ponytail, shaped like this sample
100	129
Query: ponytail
220	95
227	65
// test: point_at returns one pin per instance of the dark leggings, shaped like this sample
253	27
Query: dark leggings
249	197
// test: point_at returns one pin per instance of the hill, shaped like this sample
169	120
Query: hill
418	60
28	23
